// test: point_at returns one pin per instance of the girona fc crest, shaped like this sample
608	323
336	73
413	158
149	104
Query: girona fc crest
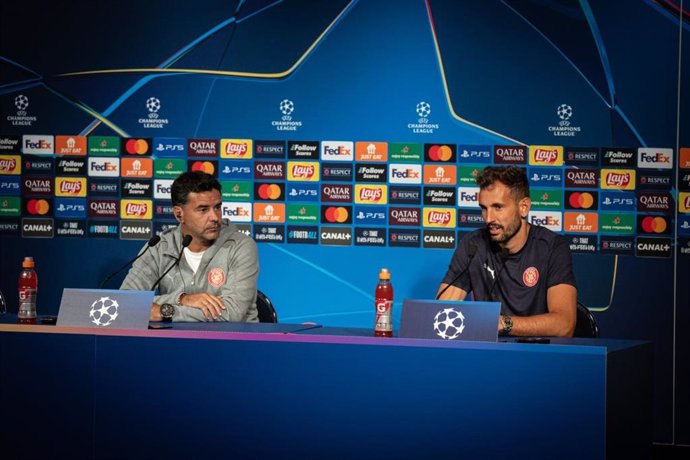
216	277
530	276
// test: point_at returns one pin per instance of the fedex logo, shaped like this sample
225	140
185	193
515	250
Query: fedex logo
551	220
468	197
161	189
655	158
337	151
38	144
104	167
546	155
405	174
237	212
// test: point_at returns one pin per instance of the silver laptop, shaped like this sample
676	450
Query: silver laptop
105	308
450	320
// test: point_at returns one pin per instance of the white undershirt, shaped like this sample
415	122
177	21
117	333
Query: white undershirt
193	258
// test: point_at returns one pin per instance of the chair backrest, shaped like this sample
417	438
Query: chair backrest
267	313
586	325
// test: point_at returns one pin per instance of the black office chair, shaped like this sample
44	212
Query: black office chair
267	313
586	324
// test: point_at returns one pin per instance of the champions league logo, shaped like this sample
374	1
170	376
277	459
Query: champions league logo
564	112
153	119
21	103
286	123
103	311
449	323
423	111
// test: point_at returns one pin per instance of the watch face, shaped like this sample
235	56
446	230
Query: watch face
167	310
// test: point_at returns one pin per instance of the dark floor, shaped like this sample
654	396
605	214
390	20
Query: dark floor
667	452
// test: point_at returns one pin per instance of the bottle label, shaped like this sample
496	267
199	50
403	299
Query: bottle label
384	310
27	303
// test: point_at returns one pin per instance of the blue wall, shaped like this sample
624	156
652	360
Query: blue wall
493	73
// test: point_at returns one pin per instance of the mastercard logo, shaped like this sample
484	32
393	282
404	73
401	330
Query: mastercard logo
38	207
336	214
651	224
137	147
269	191
203	166
440	153
581	200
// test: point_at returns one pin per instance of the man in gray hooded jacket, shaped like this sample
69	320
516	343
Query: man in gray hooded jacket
215	279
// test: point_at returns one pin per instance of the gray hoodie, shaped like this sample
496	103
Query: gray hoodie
229	268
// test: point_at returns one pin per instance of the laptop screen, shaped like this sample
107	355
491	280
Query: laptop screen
105	308
450	320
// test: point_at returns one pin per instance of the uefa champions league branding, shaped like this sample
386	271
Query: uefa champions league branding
286	122
564	127
103	311
153	119
22	118
449	323
423	126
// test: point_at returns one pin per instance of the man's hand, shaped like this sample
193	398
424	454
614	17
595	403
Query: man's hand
210	305
155	314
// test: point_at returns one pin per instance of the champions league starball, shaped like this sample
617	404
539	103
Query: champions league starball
21	102
153	104
103	311
287	106
449	323
423	109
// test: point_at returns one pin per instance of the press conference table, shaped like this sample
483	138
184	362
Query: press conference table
300	391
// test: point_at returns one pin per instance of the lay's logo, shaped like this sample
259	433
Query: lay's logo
136	209
439	217
684	202
303	171
618	179
70	186
546	155
371	194
10	165
236	148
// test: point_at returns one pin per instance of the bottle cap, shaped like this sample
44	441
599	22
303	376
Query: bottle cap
384	274
28	262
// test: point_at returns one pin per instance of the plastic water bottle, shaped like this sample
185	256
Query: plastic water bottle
384	305
3	304
28	291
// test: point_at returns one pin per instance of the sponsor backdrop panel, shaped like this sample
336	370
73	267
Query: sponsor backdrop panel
353	145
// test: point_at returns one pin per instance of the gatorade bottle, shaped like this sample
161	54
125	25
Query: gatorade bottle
384	305
28	290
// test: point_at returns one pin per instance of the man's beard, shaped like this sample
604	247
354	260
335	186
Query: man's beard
507	232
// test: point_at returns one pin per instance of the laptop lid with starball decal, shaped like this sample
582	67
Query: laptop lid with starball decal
450	320
105	308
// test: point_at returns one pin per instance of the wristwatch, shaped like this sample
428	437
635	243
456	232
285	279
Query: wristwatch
167	312
507	322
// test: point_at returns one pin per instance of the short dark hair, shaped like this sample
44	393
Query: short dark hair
511	176
191	182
